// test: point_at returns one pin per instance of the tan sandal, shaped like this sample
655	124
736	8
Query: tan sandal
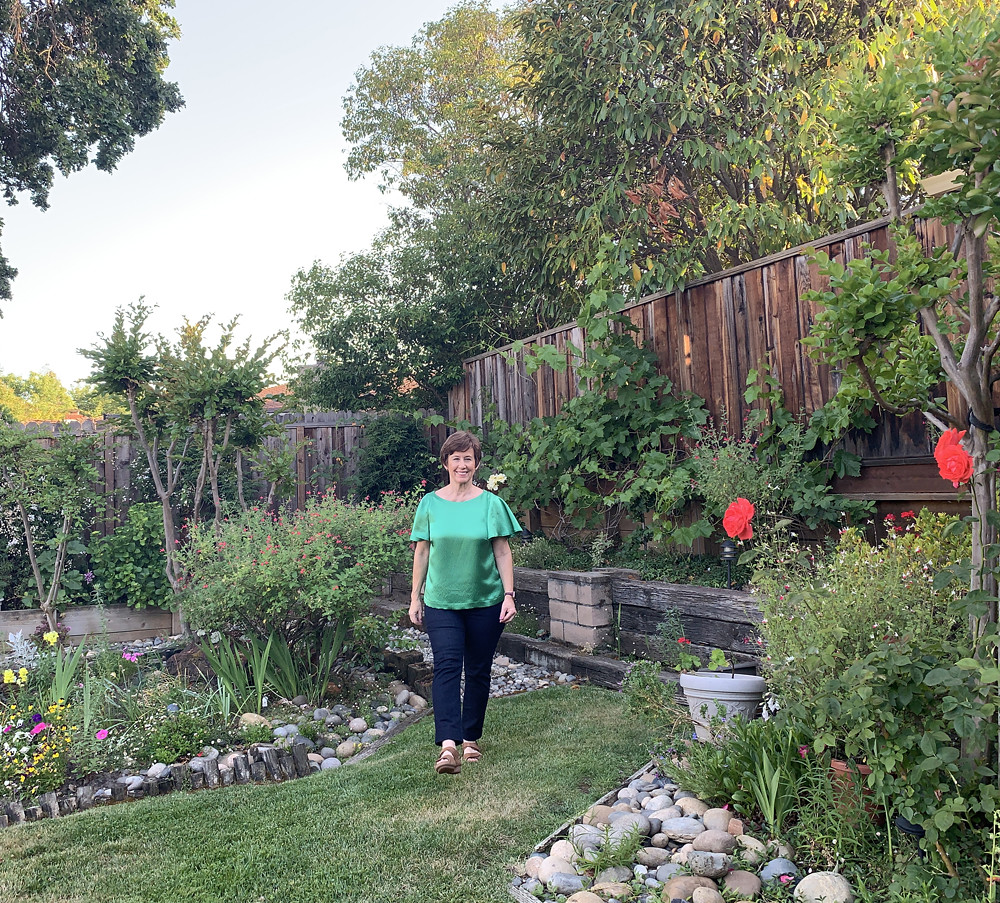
471	752
448	762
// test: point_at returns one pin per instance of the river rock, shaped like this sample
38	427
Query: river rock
597	815
617	890
657	804
682	829
565	883
586	835
824	887
652	857
776	868
691	805
717	819
708	865
629	823
584	896
617	874
347	749
742	883
248	718
753	850
682	887
665	872
706	895
564	850
357	725
417	702
714	842
553	865
659	840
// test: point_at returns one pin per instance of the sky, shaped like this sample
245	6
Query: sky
214	212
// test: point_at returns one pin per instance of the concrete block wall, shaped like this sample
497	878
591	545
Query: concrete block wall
580	607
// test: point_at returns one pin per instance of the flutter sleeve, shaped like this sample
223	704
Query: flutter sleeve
501	520
421	521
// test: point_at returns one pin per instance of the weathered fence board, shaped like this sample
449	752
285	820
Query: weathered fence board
326	461
708	337
119	623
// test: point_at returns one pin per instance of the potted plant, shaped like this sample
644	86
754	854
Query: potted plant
719	690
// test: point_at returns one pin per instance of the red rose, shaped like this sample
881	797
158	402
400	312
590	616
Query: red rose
954	462
736	521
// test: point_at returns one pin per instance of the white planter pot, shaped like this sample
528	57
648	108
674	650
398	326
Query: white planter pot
707	691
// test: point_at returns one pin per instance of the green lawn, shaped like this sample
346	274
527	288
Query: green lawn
386	829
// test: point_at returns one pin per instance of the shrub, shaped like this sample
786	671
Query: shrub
395	457
822	612
294	574
178	736
130	563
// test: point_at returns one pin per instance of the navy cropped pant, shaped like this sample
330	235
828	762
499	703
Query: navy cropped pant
461	638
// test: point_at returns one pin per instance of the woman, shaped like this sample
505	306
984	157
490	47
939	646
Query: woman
462	562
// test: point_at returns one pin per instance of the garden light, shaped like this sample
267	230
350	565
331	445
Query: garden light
728	555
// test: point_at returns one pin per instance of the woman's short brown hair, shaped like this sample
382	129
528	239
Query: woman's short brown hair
459	442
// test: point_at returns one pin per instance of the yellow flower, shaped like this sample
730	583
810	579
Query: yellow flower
22	673
51	637
8	676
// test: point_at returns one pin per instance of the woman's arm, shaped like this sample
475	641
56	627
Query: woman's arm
421	552
505	565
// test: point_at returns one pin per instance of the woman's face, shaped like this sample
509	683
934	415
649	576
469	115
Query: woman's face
461	466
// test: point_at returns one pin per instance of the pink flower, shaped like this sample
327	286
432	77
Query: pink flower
38	728
803	751
101	734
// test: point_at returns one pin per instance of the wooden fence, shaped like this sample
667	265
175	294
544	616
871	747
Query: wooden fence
708	337
326	459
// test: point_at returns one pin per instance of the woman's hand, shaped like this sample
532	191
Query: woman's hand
508	610
416	612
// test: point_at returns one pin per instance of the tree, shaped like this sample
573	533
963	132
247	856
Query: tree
78	80
391	324
180	397
692	133
40	396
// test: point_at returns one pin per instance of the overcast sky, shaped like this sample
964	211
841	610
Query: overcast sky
215	211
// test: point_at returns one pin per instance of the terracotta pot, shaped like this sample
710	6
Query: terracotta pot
851	790
706	691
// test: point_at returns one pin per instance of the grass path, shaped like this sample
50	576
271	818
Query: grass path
386	830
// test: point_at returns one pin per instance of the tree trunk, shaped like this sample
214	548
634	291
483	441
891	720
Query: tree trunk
239	481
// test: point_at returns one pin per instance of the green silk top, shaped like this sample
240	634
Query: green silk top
461	569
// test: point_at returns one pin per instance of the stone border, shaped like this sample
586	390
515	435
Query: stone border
260	764
540	847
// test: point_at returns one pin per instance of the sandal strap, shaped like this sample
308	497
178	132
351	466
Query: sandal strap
471	751
448	762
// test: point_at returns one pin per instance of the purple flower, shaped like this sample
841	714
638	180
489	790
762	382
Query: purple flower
88	577
36	718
